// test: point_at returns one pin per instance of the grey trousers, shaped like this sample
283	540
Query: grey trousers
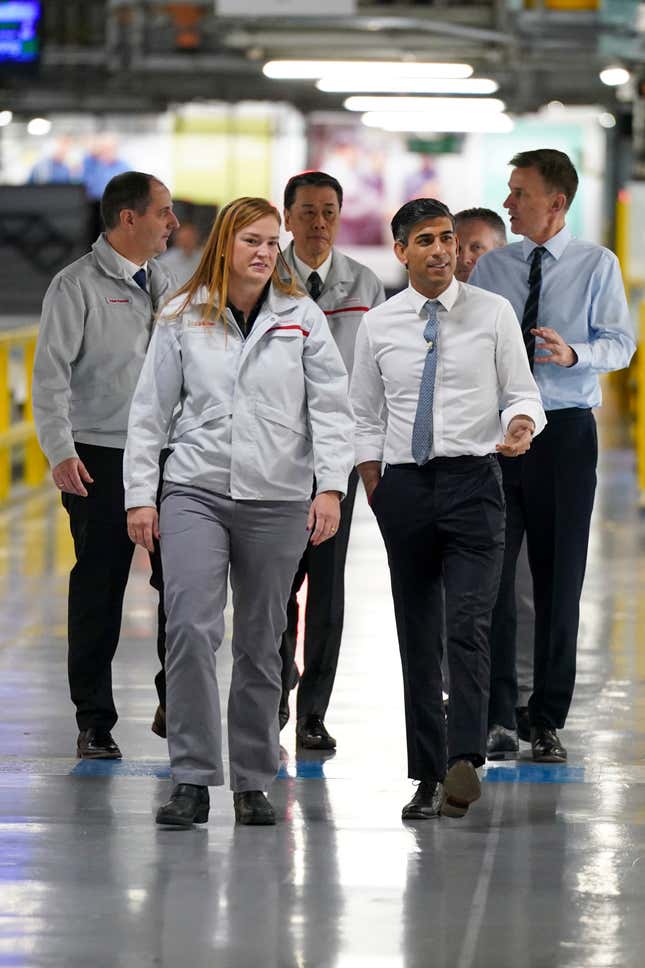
525	626
204	536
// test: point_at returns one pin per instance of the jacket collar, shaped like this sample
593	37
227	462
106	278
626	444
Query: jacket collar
339	272
109	263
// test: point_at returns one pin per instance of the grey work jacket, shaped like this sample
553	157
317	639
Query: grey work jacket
349	290
250	418
95	329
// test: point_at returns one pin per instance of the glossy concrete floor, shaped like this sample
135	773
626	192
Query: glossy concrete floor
547	870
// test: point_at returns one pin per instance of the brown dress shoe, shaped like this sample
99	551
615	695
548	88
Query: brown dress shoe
96	744
159	722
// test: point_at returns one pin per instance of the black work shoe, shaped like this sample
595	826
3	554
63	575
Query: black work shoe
188	804
523	723
253	808
159	722
425	803
96	744
283	709
460	788
546	745
312	735
502	744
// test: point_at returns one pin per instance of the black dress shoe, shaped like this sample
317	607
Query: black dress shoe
96	744
425	803
312	735
523	723
159	722
283	710
253	808
502	744
460	788
188	804
546	745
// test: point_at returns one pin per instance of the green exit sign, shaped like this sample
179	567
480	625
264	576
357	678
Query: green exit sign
444	144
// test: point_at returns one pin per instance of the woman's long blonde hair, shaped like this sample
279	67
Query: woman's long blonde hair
214	268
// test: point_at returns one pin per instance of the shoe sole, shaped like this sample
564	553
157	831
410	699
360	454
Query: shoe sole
418	815
461	788
201	817
548	758
304	745
98	756
504	755
255	821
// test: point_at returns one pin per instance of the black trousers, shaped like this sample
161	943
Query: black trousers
324	568
445	519
97	585
549	494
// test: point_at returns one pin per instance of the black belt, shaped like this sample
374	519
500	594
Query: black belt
465	460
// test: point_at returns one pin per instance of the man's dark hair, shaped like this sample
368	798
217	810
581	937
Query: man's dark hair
418	210
131	189
487	215
319	179
555	168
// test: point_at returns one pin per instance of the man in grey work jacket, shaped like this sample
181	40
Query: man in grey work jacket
95	328
344	289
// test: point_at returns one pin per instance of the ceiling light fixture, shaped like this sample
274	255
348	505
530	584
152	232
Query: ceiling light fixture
434	105
314	70
6	117
614	76
39	126
440	122
372	84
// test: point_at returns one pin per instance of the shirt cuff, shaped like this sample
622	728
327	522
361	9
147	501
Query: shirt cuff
528	409
583	352
331	484
139	498
367	451
64	452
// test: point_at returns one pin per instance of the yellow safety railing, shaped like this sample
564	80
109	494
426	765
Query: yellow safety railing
23	431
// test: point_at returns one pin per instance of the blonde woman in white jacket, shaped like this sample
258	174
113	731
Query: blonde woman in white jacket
244	379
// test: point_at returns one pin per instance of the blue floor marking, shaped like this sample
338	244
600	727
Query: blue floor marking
535	773
158	768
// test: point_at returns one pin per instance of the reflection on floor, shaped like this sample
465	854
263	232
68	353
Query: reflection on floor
547	870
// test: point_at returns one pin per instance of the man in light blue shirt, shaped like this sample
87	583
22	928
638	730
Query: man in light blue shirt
569	297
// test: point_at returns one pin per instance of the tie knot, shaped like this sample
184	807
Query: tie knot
431	306
537	253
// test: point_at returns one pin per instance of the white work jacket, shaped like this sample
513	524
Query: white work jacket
251	418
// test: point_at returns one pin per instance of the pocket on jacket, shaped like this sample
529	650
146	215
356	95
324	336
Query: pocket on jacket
192	421
291	422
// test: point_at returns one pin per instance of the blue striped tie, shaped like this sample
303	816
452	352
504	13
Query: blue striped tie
422	431
532	304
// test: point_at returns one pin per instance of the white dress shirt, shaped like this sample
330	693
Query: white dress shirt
482	369
304	271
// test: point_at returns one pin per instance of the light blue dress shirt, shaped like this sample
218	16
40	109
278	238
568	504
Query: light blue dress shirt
582	298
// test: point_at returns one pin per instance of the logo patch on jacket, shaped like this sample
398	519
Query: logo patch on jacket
111	299
196	324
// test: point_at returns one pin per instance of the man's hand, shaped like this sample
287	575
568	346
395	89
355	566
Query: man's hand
370	473
143	526
518	437
69	476
553	349
324	516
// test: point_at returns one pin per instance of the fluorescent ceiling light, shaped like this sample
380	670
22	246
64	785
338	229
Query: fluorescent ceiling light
372	83
428	121
5	118
614	76
313	70
447	105
39	126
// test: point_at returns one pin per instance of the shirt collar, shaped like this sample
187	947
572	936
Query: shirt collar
555	245
129	268
447	298
304	271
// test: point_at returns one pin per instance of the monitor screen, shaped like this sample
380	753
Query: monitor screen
19	37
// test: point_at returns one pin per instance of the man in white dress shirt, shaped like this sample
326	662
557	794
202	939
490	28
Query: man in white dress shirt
434	366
